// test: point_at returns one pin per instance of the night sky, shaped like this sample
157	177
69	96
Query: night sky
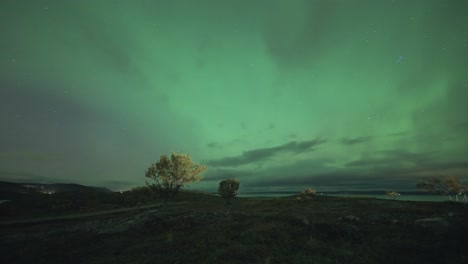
282	95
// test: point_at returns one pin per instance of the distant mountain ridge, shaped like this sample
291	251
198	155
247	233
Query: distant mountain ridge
13	189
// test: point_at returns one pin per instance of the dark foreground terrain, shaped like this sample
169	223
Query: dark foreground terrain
199	228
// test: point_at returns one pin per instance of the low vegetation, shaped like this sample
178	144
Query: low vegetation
228	189
199	228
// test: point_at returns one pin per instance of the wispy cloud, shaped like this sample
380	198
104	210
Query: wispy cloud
357	140
257	155
377	178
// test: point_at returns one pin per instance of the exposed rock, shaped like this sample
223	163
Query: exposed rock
297	219
378	219
350	231
432	223
349	218
337	231
142	221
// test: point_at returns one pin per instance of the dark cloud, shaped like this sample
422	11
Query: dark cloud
29	156
257	155
24	177
462	125
353	141
37	105
213	145
392	158
38	119
218	174
449	110
106	47
456	103
295	34
388	178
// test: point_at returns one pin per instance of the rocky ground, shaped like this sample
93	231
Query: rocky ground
320	231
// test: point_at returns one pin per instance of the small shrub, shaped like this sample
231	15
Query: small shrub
228	189
306	195
392	195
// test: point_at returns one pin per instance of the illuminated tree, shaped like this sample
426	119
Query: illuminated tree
228	189
307	194
392	195
170	174
465	193
445	185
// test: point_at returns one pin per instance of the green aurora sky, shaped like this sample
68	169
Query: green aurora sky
282	95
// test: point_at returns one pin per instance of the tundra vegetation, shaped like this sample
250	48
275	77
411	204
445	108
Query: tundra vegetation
199	228
228	189
171	174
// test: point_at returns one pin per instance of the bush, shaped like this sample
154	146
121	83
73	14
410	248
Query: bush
307	194
392	195
228	189
139	196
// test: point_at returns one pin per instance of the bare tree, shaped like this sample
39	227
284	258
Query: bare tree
170	174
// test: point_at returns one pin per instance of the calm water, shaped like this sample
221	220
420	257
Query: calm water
427	198
431	198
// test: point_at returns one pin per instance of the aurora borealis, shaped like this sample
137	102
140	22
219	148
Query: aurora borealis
282	95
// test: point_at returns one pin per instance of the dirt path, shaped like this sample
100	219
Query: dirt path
73	216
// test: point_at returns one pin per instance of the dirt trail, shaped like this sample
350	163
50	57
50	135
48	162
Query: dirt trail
73	216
